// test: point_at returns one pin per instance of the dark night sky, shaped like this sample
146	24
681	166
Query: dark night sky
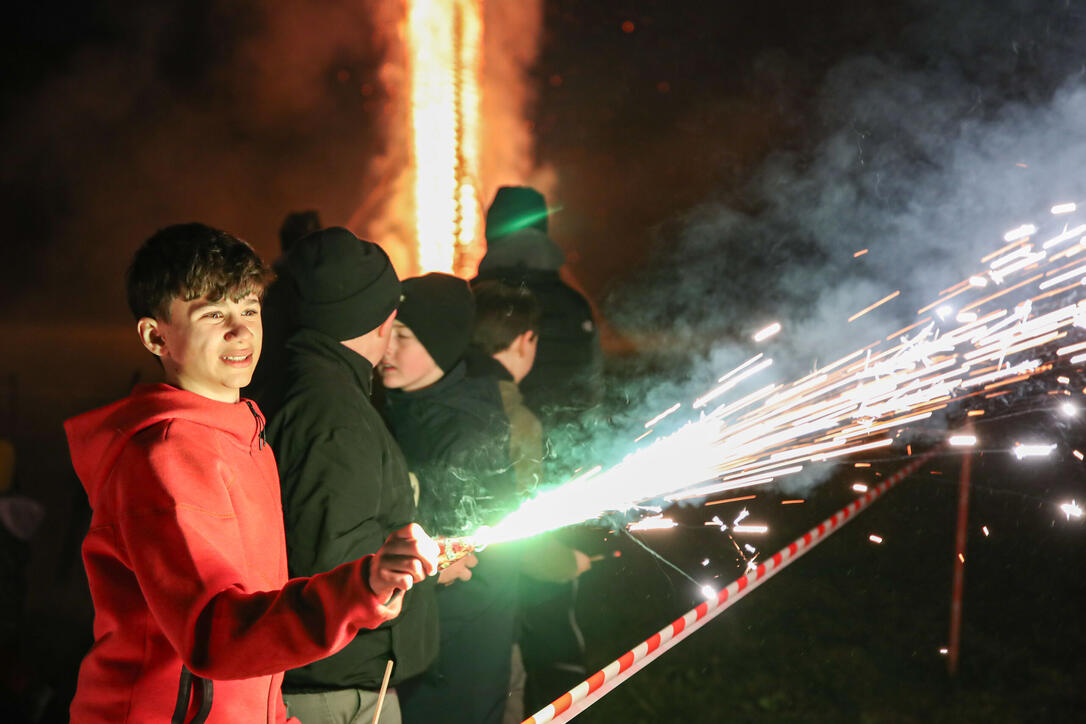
122	117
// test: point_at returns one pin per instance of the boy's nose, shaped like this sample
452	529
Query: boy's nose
239	330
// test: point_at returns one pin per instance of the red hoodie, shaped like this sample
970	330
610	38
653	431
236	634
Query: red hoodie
187	563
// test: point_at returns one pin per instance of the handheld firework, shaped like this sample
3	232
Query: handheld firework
453	548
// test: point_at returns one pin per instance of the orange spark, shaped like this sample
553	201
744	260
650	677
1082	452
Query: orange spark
865	310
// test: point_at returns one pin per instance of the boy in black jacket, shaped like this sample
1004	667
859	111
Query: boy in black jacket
344	480
453	430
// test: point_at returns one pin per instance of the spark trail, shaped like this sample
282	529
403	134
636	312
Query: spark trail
1018	313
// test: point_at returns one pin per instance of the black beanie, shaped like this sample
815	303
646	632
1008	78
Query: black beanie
346	286
515	208
440	310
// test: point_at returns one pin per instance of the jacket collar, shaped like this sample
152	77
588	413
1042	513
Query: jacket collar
320	344
480	364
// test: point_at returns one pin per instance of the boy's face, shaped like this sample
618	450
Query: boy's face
407	365
210	348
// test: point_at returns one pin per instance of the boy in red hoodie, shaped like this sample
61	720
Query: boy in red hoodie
185	555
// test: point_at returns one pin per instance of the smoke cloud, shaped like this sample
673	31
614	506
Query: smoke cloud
923	154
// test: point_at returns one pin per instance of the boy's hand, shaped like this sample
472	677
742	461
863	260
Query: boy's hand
408	556
458	571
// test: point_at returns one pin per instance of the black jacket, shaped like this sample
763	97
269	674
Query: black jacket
456	439
345	489
568	361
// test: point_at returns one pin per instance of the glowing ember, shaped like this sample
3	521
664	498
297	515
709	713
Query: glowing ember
731	383
1068	409
1066	236
1071	510
879	303
1064	208
768	332
962	440
1019	233
662	415
984	529
875	538
1025	451
653	522
859	487
708	592
1078	454
750	528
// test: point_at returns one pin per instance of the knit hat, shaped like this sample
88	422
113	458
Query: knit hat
440	310
515	208
346	286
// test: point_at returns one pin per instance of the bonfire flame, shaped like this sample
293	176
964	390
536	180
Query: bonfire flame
444	42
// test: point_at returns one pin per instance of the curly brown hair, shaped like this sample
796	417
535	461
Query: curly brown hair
188	261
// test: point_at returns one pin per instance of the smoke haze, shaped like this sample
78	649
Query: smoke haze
924	154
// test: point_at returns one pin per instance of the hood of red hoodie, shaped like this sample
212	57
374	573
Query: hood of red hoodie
96	438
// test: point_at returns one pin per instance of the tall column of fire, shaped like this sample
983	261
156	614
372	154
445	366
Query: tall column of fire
444	39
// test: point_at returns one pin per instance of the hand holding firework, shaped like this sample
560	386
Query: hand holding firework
408	556
456	548
459	570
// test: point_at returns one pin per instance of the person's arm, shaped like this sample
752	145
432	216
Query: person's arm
186	547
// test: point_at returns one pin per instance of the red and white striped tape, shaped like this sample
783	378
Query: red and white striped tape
595	687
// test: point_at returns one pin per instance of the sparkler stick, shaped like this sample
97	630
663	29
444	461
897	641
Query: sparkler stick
588	692
381	695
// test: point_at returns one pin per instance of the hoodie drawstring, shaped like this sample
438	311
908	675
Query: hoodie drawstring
259	424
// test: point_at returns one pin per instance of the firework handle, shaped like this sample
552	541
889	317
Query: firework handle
450	550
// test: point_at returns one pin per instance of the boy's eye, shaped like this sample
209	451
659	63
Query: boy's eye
213	315
251	312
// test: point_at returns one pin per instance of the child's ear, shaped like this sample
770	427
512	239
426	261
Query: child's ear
151	335
524	342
